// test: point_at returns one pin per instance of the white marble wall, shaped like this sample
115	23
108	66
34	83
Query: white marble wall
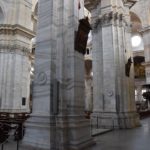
15	39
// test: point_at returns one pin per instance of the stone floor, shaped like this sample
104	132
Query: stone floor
131	139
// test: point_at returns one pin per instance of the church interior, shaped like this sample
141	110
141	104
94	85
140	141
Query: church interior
74	74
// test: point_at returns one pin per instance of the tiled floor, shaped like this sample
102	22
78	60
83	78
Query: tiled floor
132	139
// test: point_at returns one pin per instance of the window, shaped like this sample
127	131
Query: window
136	41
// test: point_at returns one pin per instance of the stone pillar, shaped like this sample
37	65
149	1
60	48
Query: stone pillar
114	102
146	36
15	38
88	86
88	94
57	121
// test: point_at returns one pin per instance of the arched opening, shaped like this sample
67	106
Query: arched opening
35	18
136	39
138	53
136	22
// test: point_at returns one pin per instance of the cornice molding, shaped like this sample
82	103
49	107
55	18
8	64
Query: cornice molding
145	30
16	29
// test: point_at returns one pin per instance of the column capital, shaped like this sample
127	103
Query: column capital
107	19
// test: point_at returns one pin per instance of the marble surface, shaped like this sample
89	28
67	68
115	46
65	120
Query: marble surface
59	82
135	139
15	49
113	91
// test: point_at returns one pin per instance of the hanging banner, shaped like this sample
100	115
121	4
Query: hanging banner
81	36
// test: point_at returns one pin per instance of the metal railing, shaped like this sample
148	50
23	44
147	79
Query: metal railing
10	134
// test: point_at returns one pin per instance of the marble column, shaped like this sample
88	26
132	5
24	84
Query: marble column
114	102
57	121
15	65
146	36
88	94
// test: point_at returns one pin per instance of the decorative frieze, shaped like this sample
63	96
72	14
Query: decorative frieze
18	49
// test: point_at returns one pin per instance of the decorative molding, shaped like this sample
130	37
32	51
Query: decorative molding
146	64
110	93
108	18
18	49
145	30
91	4
16	29
41	78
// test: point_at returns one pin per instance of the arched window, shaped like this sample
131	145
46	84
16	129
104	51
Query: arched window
136	40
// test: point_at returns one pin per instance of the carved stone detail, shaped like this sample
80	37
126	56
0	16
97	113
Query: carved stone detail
108	18
14	49
16	29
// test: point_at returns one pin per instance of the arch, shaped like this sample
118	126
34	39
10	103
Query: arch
36	9
136	28
34	5
35	15
136	22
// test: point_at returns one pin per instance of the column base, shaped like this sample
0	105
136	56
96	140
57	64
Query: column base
113	120
39	133
78	132
60	133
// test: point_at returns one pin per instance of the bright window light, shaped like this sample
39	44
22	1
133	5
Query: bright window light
136	41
